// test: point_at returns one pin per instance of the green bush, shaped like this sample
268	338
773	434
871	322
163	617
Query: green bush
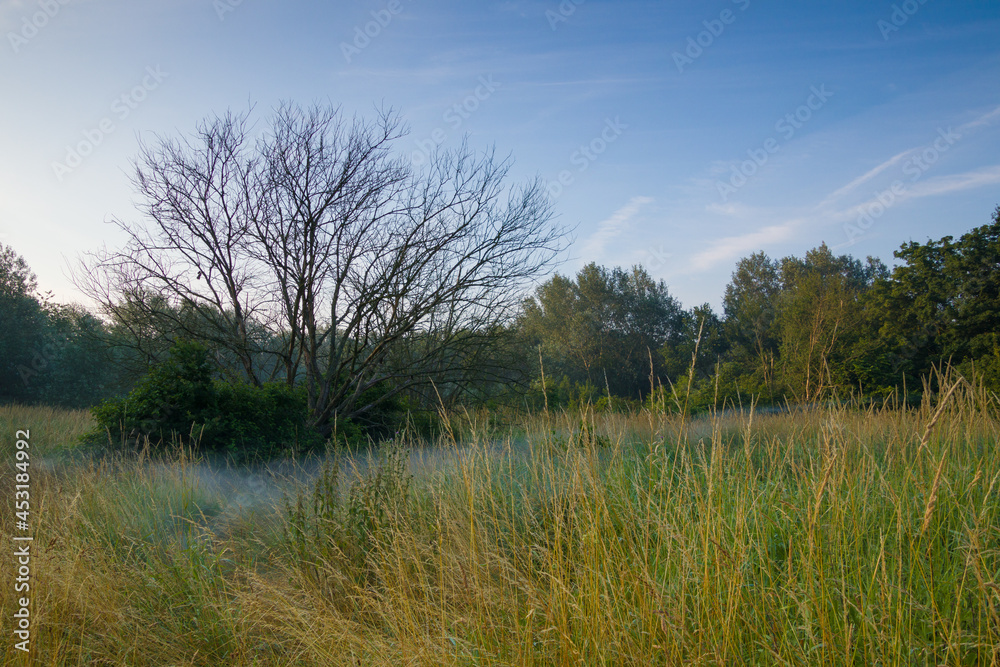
270	419
179	399
172	398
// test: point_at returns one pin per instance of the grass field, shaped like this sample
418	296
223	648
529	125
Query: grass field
843	535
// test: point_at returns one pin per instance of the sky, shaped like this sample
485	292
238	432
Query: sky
679	136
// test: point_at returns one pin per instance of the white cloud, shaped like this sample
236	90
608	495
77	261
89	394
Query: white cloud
861	180
945	185
733	247
613	227
964	129
932	187
985	119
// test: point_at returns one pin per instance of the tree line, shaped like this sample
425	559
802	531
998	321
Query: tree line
52	353
305	272
798	329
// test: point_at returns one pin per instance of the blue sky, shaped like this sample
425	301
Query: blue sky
676	135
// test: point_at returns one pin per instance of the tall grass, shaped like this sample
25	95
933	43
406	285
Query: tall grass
837	535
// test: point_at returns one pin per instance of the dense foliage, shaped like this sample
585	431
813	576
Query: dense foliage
943	303
600	329
792	330
50	353
180	397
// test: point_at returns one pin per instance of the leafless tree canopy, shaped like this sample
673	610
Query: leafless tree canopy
311	253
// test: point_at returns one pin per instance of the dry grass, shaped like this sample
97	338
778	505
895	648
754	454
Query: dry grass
834	536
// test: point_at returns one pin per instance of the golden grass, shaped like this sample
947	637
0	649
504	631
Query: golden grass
834	536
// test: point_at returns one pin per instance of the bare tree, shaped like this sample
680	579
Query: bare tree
313	254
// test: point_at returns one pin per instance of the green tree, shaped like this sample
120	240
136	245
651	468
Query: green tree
750	305
22	329
942	304
603	327
81	365
702	331
820	318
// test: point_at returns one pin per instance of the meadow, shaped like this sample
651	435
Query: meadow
842	534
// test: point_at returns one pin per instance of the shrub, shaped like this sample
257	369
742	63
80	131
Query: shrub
269	419
171	399
180	399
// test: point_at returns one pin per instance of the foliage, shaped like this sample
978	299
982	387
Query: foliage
55	354
943	304
820	312
795	330
603	328
81	365
268	420
181	398
750	305
799	329
701	346
22	327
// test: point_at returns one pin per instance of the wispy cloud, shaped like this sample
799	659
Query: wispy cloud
613	227
987	118
864	178
932	187
732	247
946	185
